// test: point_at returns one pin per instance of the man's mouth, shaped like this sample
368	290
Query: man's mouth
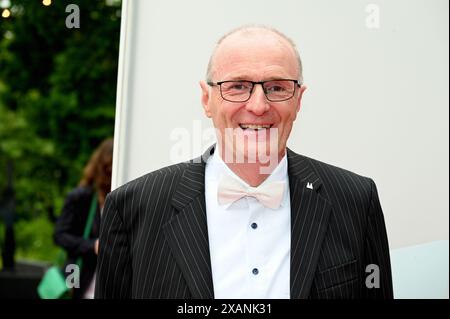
255	127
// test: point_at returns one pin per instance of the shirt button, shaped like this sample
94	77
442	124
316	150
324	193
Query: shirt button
255	271
254	225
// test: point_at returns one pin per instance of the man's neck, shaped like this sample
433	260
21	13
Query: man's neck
254	174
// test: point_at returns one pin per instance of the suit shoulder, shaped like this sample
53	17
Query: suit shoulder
148	181
323	167
340	179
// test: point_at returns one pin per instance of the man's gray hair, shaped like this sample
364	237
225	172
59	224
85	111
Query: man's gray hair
248	29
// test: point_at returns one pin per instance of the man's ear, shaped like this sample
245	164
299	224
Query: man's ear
300	95
205	98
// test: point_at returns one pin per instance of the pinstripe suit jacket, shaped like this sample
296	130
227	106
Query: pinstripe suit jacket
154	239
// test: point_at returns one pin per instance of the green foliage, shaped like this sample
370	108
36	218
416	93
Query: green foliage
57	102
34	239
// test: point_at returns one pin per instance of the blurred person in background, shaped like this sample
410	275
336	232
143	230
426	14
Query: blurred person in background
70	226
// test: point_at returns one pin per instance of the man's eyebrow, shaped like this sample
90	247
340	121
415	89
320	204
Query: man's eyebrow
246	78
238	78
271	78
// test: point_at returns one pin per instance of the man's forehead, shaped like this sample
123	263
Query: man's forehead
243	40
253	49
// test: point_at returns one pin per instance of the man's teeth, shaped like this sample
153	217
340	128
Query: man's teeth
254	126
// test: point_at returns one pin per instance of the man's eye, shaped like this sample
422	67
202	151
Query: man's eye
276	88
238	86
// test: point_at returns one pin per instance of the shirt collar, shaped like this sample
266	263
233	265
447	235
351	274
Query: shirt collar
219	167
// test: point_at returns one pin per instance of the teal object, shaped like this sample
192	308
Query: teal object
421	271
53	284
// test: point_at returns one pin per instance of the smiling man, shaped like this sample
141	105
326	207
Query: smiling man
249	218
256	101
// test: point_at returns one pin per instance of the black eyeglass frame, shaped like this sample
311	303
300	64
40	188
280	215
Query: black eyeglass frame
219	84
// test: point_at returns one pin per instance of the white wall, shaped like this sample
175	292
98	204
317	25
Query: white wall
377	102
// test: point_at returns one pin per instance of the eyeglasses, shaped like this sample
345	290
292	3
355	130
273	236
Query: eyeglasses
241	91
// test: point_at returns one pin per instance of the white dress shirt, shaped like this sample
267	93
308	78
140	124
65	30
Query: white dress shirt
89	293
249	243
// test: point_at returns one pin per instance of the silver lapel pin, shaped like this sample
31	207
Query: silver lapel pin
309	185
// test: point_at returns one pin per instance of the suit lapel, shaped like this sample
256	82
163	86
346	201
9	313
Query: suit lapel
187	232
309	218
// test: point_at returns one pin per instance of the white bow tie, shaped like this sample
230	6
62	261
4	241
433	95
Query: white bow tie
269	194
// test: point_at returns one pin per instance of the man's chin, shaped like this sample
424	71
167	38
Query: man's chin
258	152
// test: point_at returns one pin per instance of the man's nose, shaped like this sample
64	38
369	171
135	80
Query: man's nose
257	103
